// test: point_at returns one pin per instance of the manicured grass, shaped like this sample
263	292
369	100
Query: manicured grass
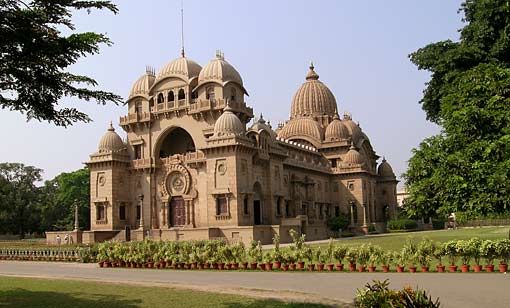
395	241
34	293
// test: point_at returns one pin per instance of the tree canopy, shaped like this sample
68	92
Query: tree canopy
35	57
466	167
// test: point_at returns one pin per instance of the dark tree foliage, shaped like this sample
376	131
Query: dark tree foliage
466	168
19	198
35	57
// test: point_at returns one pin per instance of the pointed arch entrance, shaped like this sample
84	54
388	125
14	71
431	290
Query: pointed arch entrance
177	212
257	204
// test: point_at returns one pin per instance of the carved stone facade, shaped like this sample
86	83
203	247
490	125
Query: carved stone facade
191	169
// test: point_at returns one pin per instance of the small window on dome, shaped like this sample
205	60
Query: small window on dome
138	108
161	99
233	94
171	96
181	94
209	93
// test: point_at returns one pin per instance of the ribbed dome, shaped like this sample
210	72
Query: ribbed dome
313	98
219	70
354	130
353	157
336	130
261	125
228	124
301	127
385	169
180	67
143	84
111	142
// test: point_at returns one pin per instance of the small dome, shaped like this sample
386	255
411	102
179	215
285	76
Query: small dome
336	130
385	169
261	125
228	124
301	127
313	98
143	84
353	128
181	67
353	157
220	71
111	142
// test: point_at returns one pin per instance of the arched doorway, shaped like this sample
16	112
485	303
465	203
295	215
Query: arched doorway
257	204
177	212
178	141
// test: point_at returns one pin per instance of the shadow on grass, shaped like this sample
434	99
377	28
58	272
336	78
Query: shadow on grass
274	304
34	299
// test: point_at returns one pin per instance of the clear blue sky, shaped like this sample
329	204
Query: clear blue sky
359	49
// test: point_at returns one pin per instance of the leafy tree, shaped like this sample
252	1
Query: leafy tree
466	167
35	57
60	197
19	198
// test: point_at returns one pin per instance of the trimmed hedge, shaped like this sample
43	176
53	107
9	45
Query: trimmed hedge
402	224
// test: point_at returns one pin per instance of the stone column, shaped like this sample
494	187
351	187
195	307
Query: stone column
140	197
76	222
352	213
364	227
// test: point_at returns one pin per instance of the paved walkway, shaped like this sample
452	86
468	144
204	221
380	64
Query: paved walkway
454	290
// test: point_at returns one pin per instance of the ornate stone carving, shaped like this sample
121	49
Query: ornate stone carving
175	181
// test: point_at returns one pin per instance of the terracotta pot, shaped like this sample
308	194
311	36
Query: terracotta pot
503	268
235	266
453	268
339	267
412	269
107	264
228	266
352	267
465	268
200	266
301	265
101	264
400	269
311	267
277	264
440	268
489	268
262	266
424	269
371	269
253	266
292	266
175	266
145	265
385	269
269	266
150	264
207	265
132	265
320	267
214	266
113	264
221	266
285	267
361	269
169	263
244	265
477	268
330	267
194	265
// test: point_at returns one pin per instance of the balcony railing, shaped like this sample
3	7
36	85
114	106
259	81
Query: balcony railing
141	163
135	118
189	157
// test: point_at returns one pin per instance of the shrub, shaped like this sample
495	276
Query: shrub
410	250
450	250
465	250
363	254
488	251
380	295
338	222
339	253
503	250
425	251
438	224
402	224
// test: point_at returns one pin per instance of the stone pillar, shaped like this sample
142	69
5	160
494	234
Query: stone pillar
364	227
140	197
352	213
76	222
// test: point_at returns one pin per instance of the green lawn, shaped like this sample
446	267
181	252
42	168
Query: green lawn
30	292
395	241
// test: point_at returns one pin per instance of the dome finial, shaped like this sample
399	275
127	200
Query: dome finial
383	159
312	75
227	108
110	128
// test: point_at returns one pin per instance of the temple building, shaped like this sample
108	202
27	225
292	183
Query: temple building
195	165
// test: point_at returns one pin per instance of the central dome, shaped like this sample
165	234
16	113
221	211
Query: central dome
313	98
181	67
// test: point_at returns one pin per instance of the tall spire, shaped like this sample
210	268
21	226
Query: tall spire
182	28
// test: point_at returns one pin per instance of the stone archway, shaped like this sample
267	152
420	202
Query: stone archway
257	204
176	140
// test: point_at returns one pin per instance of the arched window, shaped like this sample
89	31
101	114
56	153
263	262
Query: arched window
181	94
209	93
171	97
161	99
139	107
194	95
232	94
